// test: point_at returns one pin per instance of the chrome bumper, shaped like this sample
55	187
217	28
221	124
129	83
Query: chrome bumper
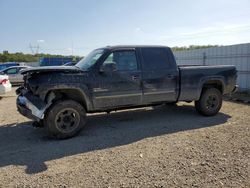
28	109
32	106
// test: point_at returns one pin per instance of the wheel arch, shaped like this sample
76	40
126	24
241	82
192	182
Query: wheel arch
75	94
217	83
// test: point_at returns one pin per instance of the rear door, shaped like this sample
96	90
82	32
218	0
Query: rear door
159	75
121	87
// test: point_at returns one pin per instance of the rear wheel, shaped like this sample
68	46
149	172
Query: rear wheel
210	102
65	119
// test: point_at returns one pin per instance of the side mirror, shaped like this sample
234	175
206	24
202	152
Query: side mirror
108	67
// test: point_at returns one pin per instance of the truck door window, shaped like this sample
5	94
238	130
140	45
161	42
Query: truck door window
125	60
155	58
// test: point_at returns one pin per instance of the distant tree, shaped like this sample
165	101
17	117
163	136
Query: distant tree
3	58
21	57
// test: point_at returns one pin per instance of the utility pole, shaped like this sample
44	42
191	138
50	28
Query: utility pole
37	48
72	48
31	48
34	49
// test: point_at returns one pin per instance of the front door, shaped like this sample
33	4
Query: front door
121	87
12	73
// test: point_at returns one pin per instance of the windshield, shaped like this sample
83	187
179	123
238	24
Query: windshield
90	59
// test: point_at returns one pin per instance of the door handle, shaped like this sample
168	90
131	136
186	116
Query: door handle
135	77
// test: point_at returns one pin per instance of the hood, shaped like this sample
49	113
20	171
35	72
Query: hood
51	69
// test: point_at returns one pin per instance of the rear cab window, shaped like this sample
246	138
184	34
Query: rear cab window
157	59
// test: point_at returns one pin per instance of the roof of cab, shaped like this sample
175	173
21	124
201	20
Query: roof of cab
133	46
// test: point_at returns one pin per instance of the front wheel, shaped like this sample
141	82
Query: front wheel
65	119
210	102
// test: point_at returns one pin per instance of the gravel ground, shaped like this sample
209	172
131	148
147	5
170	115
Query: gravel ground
164	146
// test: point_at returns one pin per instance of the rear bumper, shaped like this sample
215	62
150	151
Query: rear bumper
5	88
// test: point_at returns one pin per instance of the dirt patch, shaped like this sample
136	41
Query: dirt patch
164	146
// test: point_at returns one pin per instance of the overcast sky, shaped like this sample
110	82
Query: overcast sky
78	26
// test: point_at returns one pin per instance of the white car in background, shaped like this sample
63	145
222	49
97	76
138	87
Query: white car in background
5	85
15	77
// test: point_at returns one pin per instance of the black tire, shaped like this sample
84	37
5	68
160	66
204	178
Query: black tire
210	102
64	119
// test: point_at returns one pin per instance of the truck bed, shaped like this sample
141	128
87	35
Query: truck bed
192	77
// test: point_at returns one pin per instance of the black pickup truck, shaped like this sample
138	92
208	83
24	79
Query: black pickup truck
118	77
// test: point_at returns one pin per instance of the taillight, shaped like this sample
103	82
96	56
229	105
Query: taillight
4	81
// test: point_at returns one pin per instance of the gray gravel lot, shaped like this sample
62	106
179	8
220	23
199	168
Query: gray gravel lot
164	146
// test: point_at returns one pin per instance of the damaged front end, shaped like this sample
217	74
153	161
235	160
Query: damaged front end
33	98
31	106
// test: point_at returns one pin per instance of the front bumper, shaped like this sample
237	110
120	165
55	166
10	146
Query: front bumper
26	112
29	105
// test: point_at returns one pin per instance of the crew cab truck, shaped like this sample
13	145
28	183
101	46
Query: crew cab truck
118	77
